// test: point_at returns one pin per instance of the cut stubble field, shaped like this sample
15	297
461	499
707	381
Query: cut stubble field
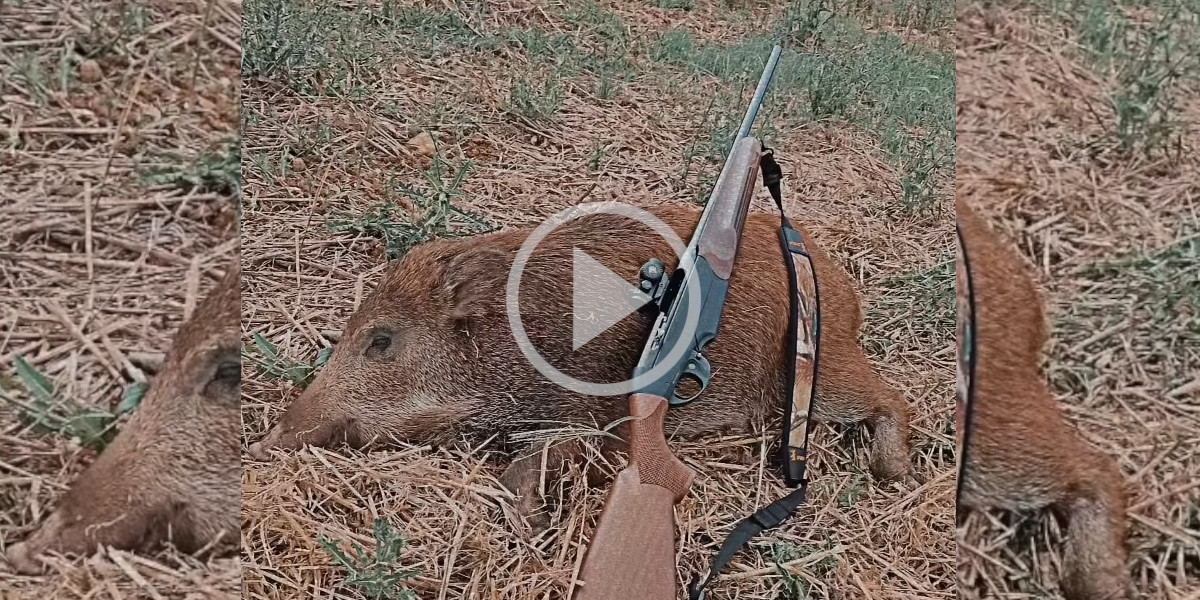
372	127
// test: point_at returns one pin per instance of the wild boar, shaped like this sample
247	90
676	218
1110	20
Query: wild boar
174	470
1023	453
429	355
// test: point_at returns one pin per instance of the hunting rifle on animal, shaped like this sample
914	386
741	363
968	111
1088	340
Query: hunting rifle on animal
632	551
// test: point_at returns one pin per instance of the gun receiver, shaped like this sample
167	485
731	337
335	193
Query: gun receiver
632	551
704	269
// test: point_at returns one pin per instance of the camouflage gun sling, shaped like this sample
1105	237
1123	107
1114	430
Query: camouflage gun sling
802	344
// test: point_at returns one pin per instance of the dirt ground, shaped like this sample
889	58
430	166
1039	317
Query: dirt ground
1106	208
539	106
118	169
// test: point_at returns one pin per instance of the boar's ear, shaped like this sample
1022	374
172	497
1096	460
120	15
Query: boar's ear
474	281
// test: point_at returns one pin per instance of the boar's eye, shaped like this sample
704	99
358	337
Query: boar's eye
229	372
380	342
228	376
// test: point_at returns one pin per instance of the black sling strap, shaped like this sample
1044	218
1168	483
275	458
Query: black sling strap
800	352
965	391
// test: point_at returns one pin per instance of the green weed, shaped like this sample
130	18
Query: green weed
1164	283
933	291
1148	61
29	71
385	222
1144	106
924	15
675	47
533	101
554	48
921	299
901	93
599	45
1157	293
325	49
850	495
794	586
675	4
47	413
269	168
921	159
608	87
275	365
830	93
596	22
801	21
436	217
108	30
704	188
218	172
597	156
694	147
565	56
432	32
66	68
378	576
319	48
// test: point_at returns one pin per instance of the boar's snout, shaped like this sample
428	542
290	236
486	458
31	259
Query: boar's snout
306	422
66	531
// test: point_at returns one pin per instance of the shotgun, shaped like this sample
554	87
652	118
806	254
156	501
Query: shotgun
632	552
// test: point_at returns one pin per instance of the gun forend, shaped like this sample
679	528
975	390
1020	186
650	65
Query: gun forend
730	201
632	551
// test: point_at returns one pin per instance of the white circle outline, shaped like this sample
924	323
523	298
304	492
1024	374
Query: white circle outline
512	307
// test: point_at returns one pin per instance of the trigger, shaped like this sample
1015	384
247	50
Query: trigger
697	369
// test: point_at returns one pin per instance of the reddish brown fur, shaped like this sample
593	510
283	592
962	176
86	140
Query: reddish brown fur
1023	454
176	465
454	368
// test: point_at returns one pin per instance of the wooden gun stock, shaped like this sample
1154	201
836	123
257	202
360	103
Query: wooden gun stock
632	552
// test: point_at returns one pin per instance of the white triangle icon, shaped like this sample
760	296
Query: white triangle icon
600	298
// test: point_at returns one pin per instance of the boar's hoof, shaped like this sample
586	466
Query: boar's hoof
18	556
539	522
908	482
529	525
257	452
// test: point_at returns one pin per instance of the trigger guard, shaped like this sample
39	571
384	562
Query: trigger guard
700	370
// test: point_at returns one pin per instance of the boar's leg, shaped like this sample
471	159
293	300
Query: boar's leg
1094	560
849	391
524	475
1030	460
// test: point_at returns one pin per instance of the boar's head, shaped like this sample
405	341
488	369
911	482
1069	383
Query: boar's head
174	471
414	359
429	356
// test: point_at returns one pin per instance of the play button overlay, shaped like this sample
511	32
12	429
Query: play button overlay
599	300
